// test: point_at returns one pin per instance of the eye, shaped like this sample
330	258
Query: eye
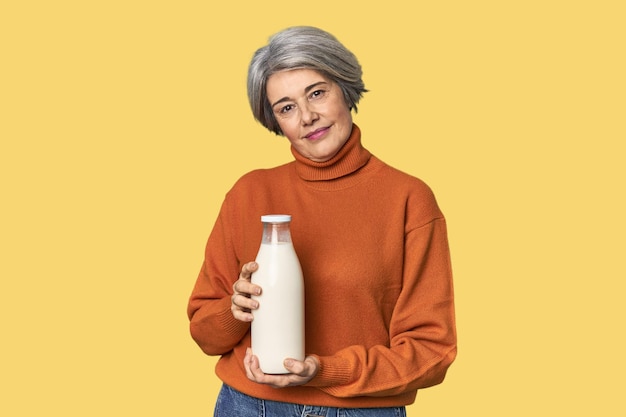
286	109
317	94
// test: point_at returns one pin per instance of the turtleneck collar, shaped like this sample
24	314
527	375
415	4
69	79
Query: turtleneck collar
350	158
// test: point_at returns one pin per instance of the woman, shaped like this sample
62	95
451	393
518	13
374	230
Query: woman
371	240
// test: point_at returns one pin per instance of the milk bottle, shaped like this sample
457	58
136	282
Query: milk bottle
278	325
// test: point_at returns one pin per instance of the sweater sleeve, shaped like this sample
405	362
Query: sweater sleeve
212	324
422	330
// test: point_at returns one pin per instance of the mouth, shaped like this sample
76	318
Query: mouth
317	133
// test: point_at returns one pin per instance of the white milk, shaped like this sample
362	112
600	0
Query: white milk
278	325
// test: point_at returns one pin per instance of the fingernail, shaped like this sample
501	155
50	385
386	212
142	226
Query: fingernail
288	362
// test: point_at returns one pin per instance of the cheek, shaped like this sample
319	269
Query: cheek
342	111
290	130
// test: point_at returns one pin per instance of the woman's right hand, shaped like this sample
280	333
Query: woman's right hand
241	304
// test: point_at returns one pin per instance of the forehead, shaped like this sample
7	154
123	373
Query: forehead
291	83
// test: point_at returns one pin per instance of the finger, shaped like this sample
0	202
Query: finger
247	364
256	374
242	306
304	369
244	303
246	288
294	366
243	285
241	315
247	270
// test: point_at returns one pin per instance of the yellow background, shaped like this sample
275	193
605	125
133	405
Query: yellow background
123	123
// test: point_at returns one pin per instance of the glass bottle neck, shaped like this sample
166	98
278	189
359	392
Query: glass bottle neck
276	233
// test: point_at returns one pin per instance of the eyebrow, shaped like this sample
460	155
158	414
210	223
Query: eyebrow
306	90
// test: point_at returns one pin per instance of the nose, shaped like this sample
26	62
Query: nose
308	115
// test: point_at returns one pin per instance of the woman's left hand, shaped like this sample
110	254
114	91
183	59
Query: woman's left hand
301	371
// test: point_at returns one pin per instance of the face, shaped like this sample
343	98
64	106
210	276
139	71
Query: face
311	112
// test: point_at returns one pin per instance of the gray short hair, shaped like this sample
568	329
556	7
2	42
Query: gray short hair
302	47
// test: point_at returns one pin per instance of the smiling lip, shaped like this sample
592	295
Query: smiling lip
316	134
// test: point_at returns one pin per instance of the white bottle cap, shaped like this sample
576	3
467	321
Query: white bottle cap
276	218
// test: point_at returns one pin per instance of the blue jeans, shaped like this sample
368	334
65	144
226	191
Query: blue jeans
232	403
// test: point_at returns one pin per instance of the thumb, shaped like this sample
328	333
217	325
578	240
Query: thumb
294	366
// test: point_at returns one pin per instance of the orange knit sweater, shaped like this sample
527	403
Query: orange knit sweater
374	252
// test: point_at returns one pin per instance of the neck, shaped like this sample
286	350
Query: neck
349	159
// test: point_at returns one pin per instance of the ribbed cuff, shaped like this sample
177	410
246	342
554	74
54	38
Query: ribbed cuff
229	323
333	371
